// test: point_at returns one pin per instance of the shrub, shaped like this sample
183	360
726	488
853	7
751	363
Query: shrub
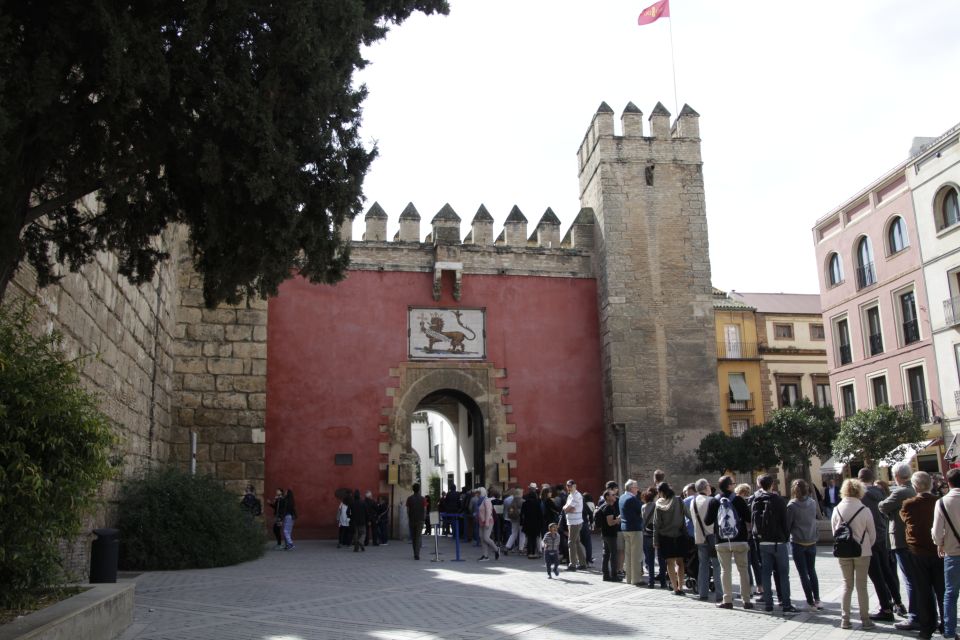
169	519
54	455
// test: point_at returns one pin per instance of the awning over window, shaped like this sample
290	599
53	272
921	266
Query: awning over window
738	388
911	452
832	465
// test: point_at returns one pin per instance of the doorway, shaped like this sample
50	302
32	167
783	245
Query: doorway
447	432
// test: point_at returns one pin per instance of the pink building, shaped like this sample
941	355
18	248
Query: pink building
874	303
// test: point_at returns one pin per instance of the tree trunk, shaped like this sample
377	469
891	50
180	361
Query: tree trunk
11	252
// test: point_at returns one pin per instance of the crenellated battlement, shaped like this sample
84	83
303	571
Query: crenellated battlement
445	229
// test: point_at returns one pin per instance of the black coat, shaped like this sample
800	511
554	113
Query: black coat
531	518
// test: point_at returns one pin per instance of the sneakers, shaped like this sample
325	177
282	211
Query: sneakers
900	610
907	625
572	567
882	616
790	609
725	605
483	559
845	624
556	572
867	626
818	605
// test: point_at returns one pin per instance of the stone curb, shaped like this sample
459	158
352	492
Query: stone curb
104	611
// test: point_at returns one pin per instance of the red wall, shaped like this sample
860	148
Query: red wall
330	349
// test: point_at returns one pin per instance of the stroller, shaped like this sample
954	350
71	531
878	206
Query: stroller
692	564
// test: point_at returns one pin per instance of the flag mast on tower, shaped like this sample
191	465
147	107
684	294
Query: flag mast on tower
653	13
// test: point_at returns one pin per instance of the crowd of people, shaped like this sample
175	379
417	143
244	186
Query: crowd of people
694	541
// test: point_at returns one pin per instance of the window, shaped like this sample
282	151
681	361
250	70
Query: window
879	387
821	394
849	398
789	394
816	332
737	427
874	336
917	389
842	332
897	236
783	331
739	392
908	315
866	275
834	272
731	336
947	208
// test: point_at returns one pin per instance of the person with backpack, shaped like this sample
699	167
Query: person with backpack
768	516
729	515
512	507
853	533
918	514
706	541
802	511
485	521
651	556
946	535
250	503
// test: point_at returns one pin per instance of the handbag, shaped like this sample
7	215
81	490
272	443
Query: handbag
712	546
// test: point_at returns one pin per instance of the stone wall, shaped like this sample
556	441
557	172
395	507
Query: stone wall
220	384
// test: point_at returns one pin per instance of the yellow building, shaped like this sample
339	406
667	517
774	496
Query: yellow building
738	364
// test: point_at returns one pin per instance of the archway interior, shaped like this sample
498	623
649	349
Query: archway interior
448	436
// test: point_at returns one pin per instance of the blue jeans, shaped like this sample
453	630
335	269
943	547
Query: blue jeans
703	570
288	529
552	560
775	555
805	560
905	562
951	577
651	555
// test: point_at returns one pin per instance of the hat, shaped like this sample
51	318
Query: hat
533	485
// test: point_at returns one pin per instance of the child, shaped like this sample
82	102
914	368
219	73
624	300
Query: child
551	549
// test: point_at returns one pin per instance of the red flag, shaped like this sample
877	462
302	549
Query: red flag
654	12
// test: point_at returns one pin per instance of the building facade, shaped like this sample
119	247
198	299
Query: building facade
933	175
738	364
874	298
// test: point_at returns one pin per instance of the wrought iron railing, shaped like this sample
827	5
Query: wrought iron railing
866	275
740	405
845	356
911	331
923	409
951	311
737	350
876	344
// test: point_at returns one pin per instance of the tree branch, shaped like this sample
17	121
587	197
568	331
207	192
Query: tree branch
42	209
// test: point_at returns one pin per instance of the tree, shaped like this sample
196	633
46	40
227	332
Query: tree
878	433
55	452
758	449
718	452
802	431
238	119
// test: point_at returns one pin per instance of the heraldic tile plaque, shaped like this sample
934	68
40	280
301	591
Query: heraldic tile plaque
446	334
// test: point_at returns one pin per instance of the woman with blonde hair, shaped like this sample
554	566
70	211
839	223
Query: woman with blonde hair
802	524
852	513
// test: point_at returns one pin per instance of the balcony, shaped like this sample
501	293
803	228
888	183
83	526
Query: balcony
845	356
956	400
911	332
951	311
740	405
876	344
737	351
923	409
866	275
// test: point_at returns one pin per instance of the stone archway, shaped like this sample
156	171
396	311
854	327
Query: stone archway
482	383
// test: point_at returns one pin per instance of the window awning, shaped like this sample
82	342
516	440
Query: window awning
738	388
953	451
833	465
911	452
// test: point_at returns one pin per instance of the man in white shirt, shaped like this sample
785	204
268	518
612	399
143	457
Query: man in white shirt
946	526
706	542
573	510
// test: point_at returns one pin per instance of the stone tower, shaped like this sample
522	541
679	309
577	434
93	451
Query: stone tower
653	283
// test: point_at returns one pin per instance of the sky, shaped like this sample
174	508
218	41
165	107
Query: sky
802	105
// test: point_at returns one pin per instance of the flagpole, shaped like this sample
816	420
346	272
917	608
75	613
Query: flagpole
673	66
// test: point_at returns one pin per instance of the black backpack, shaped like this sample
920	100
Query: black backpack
844	544
763	519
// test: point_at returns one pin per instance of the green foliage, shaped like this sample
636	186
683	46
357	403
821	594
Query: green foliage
239	119
169	519
878	433
54	455
718	452
435	490
757	449
801	432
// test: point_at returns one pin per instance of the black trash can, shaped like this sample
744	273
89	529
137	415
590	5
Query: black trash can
104	556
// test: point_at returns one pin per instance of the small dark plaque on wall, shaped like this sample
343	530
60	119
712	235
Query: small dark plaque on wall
343	459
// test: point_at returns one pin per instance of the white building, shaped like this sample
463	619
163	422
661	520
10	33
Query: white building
444	449
934	178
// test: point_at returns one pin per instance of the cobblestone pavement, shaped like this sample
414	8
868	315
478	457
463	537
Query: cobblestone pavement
318	592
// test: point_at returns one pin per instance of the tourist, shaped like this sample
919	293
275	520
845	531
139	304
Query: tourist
831	496
343	521
512	507
586	539
383	520
250	503
651	555
730	516
658	477
880	573
531	521
851	512
670	535
608	517
745	491
706	541
615	488
485	525
890	507
946	536
573	511
768	516
551	511
802	513
371	532
689	493
551	549
470	507
289	515
917	513
631	524
415	515
277	505
358	521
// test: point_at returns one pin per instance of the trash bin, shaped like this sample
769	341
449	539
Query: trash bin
104	555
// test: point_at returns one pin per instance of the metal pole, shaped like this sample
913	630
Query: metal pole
193	453
673	66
